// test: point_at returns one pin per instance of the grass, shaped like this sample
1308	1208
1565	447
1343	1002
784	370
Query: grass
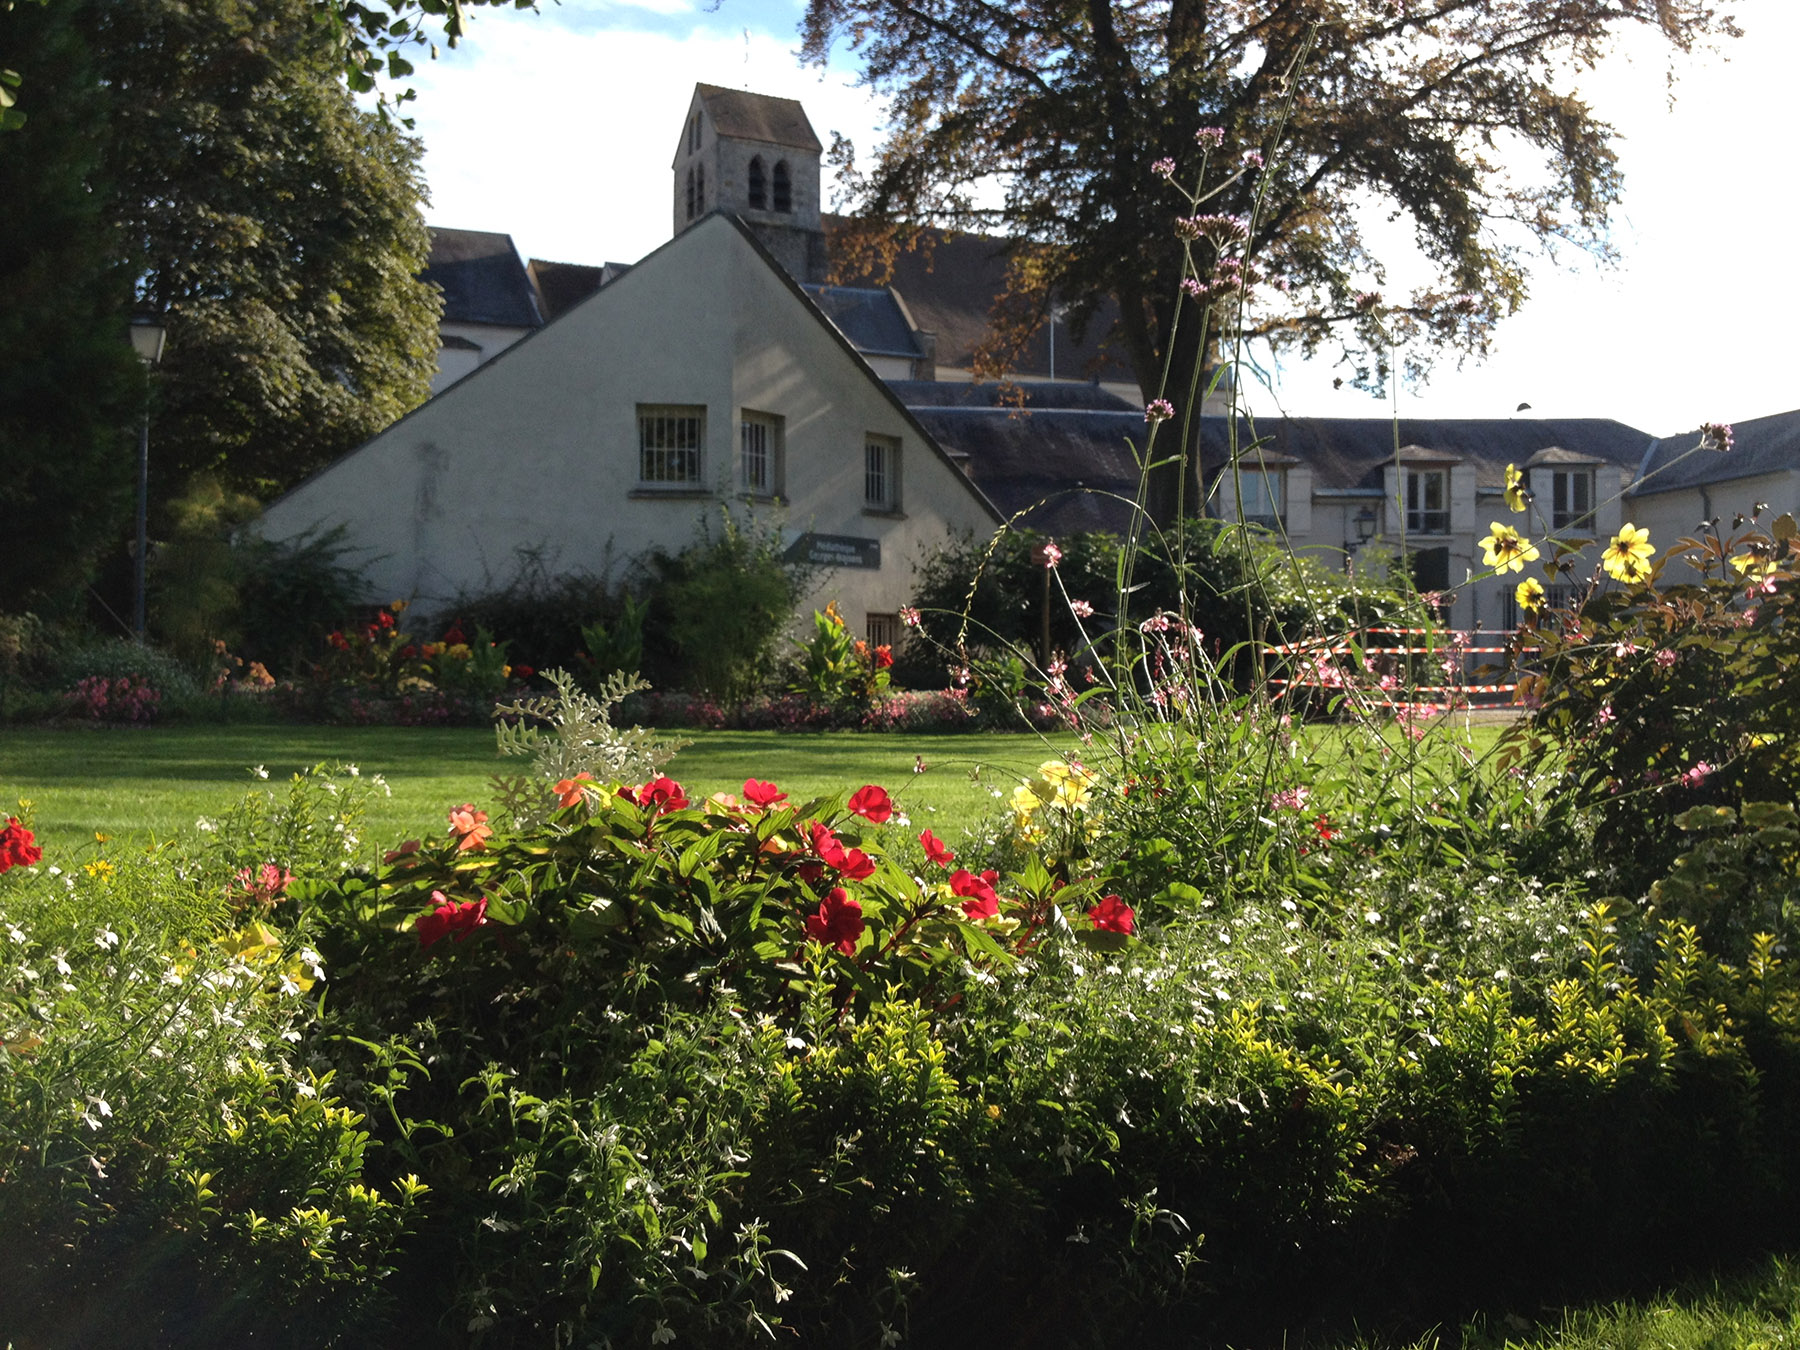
1753	1309
131	783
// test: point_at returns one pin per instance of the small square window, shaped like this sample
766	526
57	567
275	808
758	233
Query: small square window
1265	496
882	630
669	446
759	455
881	473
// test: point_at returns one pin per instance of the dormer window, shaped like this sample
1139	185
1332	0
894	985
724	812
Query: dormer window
784	188
1572	499
759	184
1427	501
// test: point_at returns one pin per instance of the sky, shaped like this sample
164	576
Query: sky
558	128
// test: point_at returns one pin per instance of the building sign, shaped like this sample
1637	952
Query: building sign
835	550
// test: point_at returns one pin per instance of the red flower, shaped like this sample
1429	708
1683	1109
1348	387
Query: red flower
1113	915
762	794
450	919
980	901
384	619
406	850
856	865
665	794
17	847
872	803
455	636
810	872
339	641
936	849
1323	828
884	657
839	922
469	826
523	672
826	845
570	790
408	652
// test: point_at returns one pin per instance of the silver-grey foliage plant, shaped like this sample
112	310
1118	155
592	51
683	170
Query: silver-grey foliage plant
570	732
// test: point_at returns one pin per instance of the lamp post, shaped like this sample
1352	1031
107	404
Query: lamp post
147	335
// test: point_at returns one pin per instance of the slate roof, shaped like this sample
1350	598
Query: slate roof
950	289
1349	452
482	279
1761	445
1051	455
758	117
1037	394
871	319
561	286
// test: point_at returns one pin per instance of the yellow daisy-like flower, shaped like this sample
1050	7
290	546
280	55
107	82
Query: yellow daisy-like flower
1506	550
1627	558
100	869
1530	595
1517	498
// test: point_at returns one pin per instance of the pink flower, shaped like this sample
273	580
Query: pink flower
1252	159
762	794
1715	436
980	900
265	884
1163	168
1290	799
1081	609
1605	716
838	922
1210	138
1158	410
1665	658
936	849
450	919
1697	775
872	803
1113	915
1049	553
909	616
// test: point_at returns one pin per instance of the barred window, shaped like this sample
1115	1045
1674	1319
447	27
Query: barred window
882	630
881	473
669	441
759	455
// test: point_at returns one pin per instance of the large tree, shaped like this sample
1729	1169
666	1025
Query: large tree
1079	129
70	389
274	223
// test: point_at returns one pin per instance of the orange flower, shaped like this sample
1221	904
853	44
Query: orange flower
469	826
570	790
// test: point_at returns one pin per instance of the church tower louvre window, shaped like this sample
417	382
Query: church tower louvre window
690	192
700	189
784	188
759	186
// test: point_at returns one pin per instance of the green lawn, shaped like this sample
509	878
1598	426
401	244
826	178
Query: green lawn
132	782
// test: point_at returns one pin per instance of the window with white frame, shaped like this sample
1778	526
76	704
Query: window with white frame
670	438
759	455
881	473
1427	501
1264	496
1572	499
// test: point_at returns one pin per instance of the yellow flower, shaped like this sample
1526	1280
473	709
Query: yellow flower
1506	550
1024	801
1530	595
100	869
1627	558
1517	498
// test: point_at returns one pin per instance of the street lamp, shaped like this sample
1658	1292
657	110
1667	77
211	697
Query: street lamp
1365	524
147	336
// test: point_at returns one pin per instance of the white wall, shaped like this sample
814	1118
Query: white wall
456	362
540	449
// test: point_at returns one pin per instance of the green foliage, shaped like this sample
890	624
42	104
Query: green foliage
195	577
837	669
70	390
717	610
1653	699
276	227
115	658
291	593
541	615
616	647
576	739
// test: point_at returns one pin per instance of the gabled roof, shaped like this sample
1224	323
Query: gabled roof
950	284
482	279
871	319
1761	445
758	117
561	286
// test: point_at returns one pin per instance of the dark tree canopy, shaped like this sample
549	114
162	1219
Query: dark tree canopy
70	389
274	224
1044	121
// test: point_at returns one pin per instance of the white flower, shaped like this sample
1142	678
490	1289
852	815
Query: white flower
16	933
260	772
206	825
353	771
62	966
660	1334
106	939
889	1336
1371	916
